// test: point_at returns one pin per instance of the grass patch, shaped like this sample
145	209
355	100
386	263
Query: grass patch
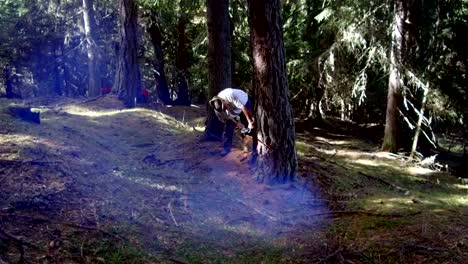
204	253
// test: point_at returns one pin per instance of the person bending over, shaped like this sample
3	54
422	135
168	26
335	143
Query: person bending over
229	104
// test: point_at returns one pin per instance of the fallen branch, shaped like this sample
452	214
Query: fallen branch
295	96
156	219
172	215
62	223
83	258
272	218
386	183
178	261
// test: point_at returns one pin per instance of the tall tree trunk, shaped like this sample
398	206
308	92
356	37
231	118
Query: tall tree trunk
394	97
8	83
127	76
158	64
314	76
182	63
317	93
94	78
57	72
66	89
277	160
219	59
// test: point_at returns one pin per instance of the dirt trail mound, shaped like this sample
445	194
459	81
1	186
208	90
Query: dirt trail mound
143	174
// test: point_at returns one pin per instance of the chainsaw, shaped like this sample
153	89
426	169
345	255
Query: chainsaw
246	132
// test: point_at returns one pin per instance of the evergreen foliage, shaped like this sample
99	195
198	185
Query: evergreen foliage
337	54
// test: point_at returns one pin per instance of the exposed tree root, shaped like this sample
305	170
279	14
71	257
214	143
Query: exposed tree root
398	188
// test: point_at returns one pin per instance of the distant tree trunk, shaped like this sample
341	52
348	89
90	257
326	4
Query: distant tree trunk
94	78
314	76
317	93
8	83
219	59
67	90
127	77
158	64
277	160
394	97
56	71
182	63
232	58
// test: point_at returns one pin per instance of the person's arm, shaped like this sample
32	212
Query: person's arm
249	117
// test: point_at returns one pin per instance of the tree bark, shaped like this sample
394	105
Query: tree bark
394	97
158	64
57	72
127	78
219	60
66	89
314	76
94	78
8	83
182	63
182	57
276	160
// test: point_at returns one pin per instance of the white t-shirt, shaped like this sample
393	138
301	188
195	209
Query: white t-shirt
236	98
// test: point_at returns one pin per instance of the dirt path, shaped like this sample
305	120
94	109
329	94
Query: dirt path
145	176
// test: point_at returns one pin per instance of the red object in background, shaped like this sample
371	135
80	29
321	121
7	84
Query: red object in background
106	89
145	92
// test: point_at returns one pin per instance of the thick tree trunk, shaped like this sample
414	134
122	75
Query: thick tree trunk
277	160
182	64
219	59
127	78
94	78
158	63
390	141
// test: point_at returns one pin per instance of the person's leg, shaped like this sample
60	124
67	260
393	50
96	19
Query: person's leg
228	134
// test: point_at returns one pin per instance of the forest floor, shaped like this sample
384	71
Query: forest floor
98	183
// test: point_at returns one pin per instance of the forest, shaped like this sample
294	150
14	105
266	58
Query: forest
217	131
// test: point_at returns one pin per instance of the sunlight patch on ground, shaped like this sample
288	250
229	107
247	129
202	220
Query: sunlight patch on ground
163	118
412	201
147	182
419	171
367	162
325	151
334	142
389	203
456	200
158	116
83	111
461	186
17	138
